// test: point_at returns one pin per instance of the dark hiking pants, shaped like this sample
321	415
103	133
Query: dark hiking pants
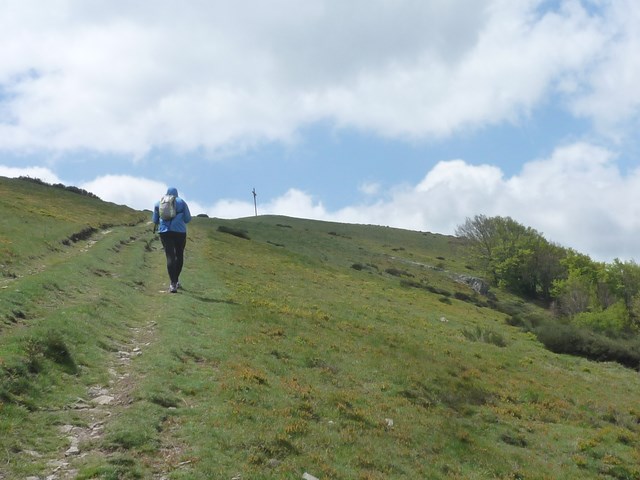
174	243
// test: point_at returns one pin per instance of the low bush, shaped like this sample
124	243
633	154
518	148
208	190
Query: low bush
439	291
412	284
612	322
573	340
528	321
396	272
465	297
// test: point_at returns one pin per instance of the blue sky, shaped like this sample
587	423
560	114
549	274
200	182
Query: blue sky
410	114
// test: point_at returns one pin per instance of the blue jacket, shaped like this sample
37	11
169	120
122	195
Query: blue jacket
177	223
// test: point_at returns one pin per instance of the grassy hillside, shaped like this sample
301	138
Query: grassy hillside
37	219
343	351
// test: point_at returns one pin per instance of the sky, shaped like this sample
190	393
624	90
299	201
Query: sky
414	114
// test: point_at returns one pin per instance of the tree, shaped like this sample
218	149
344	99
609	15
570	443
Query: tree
573	294
481	232
581	287
623	278
514	256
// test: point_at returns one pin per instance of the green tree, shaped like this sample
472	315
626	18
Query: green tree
515	257
582	286
482	234
623	278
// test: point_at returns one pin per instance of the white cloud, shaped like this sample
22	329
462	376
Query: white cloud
513	65
117	77
41	173
612	95
294	203
229	208
138	193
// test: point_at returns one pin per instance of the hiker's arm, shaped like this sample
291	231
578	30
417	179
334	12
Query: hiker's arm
186	214
155	218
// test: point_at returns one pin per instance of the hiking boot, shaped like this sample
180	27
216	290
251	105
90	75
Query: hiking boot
173	288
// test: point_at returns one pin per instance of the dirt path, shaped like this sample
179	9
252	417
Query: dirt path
88	416
102	402
114	282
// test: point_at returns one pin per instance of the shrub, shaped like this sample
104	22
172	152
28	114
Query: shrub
526	320
396	272
613	321
464	297
439	291
573	340
411	283
518	308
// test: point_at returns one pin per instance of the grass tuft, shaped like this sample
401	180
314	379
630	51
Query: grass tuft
485	335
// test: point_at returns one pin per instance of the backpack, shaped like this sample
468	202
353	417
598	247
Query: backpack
167	207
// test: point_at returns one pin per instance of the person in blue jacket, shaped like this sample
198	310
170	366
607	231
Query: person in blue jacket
173	234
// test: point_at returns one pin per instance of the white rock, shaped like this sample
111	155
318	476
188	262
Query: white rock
57	464
308	476
97	391
103	400
73	450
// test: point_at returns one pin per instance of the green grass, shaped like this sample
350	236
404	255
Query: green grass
40	220
279	358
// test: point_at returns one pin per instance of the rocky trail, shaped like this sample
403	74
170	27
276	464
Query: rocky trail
88	415
100	404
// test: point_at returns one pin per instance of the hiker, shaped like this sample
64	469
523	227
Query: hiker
171	215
